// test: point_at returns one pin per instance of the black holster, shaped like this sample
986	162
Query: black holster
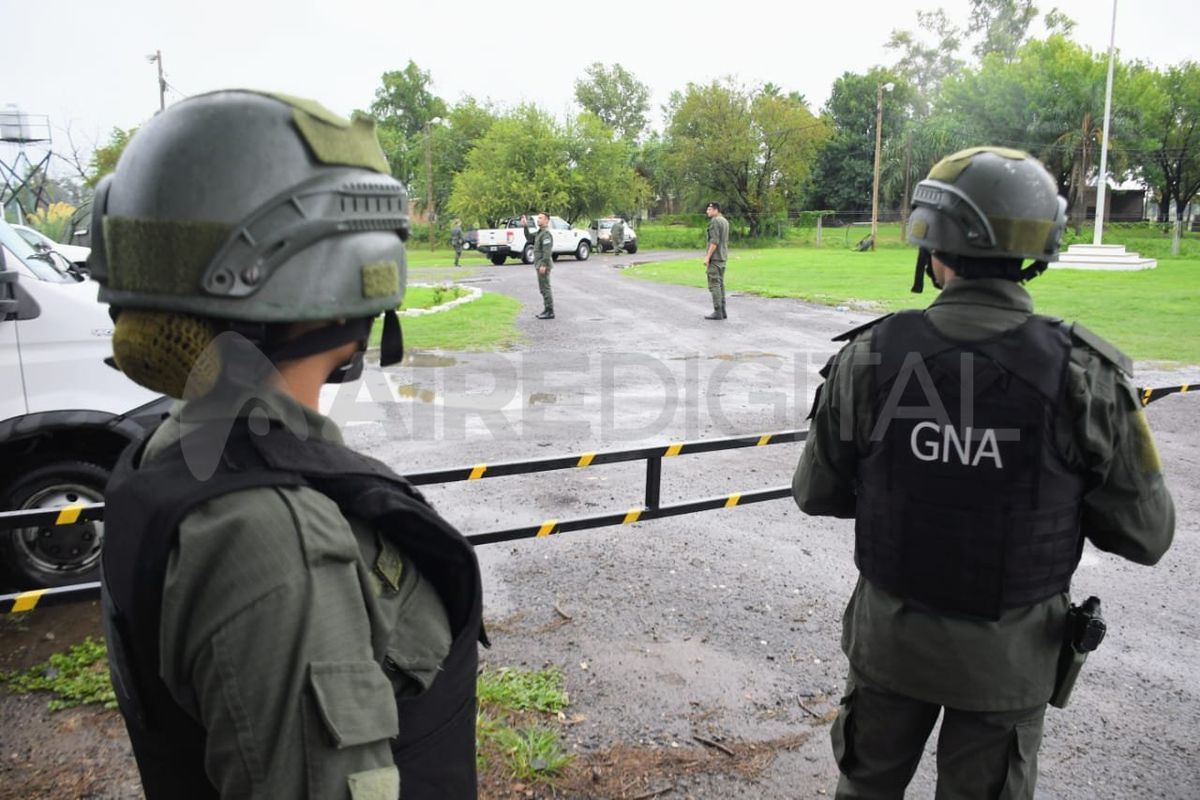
1085	630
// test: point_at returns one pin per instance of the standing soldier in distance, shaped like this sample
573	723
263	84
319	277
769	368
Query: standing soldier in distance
715	258
285	617
618	235
456	240
543	261
976	445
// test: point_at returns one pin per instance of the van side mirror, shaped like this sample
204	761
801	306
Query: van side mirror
8	292
15	302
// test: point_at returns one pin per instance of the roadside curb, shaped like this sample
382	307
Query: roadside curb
472	293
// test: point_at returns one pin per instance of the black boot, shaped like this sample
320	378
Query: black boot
716	314
545	315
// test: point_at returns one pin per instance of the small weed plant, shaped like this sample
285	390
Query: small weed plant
74	678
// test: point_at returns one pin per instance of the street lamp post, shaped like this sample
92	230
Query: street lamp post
879	90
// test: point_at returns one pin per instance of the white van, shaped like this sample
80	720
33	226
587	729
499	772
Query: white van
65	415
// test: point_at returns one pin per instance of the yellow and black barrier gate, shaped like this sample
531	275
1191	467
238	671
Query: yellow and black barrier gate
651	508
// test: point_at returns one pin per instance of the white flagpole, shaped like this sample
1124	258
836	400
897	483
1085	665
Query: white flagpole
1102	181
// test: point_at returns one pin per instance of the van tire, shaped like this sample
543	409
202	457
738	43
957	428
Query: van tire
497	259
50	555
527	254
583	251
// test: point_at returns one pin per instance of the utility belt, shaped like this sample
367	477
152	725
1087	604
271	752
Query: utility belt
1085	631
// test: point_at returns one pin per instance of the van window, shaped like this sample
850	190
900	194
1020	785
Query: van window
52	267
52	271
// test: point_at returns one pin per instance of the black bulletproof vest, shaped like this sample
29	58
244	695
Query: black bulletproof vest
435	750
964	503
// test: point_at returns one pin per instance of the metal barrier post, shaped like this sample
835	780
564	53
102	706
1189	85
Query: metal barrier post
653	480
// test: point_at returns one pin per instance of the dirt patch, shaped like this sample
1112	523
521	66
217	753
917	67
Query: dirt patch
627	772
80	753
31	637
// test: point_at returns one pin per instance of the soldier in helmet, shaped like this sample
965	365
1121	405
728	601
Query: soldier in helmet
285	617
976	445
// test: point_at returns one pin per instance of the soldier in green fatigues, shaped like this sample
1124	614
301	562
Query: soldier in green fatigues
285	617
456	241
715	258
618	235
977	445
543	261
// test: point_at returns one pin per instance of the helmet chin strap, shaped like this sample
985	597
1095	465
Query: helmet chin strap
391	349
924	267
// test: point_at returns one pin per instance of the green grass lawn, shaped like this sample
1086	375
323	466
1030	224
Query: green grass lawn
488	323
1150	315
1148	239
419	255
430	296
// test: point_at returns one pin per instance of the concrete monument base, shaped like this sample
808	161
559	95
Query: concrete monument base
1102	256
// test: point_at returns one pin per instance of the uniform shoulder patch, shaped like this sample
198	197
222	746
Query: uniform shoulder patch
1102	347
850	334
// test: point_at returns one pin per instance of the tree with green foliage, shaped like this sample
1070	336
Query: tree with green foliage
751	150
844	169
451	142
404	103
1169	157
618	98
600	177
1048	100
923	64
1002	25
528	162
518	165
104	158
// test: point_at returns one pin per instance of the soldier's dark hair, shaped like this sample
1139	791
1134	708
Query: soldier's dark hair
715	204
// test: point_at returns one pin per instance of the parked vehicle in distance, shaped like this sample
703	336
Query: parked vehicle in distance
65	414
600	232
508	241
39	241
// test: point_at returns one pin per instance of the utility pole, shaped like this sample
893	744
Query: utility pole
162	82
429	180
878	146
429	175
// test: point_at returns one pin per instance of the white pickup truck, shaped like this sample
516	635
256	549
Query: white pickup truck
509	241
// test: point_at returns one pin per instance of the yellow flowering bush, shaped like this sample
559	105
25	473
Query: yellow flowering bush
52	220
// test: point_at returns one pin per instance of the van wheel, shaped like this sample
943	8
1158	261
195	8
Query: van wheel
527	254
631	247
583	251
498	260
48	555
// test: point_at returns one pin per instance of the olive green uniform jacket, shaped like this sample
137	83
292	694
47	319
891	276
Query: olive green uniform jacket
278	614
718	234
1102	431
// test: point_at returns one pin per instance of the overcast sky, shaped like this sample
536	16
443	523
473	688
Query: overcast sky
83	63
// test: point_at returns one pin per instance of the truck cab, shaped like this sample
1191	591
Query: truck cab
65	414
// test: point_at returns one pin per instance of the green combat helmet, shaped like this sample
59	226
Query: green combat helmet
988	205
243	211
